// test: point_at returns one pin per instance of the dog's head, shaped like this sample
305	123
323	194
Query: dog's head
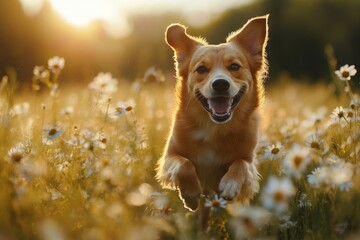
220	75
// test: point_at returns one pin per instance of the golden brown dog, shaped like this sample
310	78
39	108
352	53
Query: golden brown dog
215	126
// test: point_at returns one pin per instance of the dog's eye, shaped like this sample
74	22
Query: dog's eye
234	67
202	70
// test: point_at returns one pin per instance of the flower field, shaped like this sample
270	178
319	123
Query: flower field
78	163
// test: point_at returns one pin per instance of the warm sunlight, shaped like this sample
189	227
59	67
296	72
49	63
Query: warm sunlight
80	12
115	14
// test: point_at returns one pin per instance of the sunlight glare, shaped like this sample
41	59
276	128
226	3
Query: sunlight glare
32	7
80	12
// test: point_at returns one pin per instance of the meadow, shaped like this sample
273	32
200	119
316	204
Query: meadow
78	163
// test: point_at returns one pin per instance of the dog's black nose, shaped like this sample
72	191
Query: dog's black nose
221	85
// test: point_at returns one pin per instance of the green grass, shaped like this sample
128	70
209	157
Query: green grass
89	173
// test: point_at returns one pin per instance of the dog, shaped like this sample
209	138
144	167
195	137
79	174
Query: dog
214	133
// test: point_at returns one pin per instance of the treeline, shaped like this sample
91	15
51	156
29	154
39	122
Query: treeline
299	32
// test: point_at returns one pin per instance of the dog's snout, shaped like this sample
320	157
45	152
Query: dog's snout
221	85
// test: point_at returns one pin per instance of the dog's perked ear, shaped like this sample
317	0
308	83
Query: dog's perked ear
252	37
182	43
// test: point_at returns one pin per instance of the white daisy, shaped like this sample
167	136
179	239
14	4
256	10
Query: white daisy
20	109
318	177
216	203
277	193
346	72
123	107
104	83
338	114
17	153
53	132
314	141
246	220
67	110
342	176
274	151
296	160
56	64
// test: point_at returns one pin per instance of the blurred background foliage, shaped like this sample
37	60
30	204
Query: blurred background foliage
299	32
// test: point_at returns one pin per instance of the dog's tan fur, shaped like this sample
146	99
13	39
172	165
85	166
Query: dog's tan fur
201	154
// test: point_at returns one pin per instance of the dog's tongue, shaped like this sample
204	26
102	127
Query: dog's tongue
220	105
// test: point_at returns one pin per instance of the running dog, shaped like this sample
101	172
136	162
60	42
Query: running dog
214	131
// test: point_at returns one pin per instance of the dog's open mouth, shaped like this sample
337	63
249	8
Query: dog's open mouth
221	107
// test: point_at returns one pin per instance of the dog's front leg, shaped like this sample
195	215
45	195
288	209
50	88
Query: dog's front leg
179	172
241	178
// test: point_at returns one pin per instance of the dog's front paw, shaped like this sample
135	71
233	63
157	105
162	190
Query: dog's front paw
190	200
189	186
230	187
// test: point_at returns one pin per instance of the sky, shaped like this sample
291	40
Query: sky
114	13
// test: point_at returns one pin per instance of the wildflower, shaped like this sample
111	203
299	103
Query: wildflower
216	203
303	201
246	220
276	194
115	211
85	194
286	222
349	114
56	64
54	132
38	70
91	141
318	177
54	89
314	141
346	72
20	109
161	201
16	154
108	176
296	160
355	102
55	194
341	227
67	110
342	176
104	83
63	167
41	74
274	151
123	107
338	114
50	229
314	118
153	75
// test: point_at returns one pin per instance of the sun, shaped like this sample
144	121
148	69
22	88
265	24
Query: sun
79	12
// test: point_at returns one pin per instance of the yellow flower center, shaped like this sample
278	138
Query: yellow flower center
215	203
340	114
345	74
16	157
279	196
315	144
298	160
248	224
275	150
52	132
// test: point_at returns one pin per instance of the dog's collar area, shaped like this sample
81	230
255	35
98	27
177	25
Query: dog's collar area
220	108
